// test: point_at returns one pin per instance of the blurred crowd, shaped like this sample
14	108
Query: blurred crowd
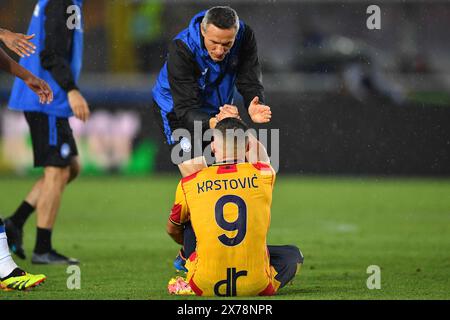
294	37
132	35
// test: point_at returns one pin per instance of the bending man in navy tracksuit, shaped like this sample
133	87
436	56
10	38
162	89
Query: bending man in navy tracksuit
207	62
60	47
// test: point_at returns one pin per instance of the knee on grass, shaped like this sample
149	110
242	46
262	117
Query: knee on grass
293	254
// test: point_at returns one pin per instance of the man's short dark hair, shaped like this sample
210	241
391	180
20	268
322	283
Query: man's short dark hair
231	124
221	17
234	134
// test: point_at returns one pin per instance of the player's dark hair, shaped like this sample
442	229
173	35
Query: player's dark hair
231	123
234	134
221	17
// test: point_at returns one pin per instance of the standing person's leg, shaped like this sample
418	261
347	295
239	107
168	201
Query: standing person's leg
55	150
14	224
27	207
55	180
287	261
7	265
48	204
38	124
11	276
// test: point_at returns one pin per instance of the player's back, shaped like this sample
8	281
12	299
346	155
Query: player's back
229	209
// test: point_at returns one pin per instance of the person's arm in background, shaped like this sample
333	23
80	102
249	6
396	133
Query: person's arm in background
18	42
39	86
182	73
56	54
249	79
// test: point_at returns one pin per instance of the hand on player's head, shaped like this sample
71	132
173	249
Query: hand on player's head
228	111
41	88
259	113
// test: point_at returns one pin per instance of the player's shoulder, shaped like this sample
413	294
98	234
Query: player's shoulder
238	168
190	177
198	175
179	49
248	30
262	166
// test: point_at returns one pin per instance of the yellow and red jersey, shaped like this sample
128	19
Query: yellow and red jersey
229	208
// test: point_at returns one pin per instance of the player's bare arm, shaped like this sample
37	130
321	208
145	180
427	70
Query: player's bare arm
18	42
175	231
39	86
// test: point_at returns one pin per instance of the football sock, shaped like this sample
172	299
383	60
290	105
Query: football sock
17	272
43	240
22	213
7	264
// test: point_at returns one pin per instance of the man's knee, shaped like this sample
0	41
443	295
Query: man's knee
295	255
74	170
57	175
288	254
287	261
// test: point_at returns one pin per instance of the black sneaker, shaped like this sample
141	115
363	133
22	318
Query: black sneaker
15	238
52	257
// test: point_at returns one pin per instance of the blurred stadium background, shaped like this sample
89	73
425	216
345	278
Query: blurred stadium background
370	105
347	99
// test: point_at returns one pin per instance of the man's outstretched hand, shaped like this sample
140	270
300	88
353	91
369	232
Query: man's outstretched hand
18	42
259	113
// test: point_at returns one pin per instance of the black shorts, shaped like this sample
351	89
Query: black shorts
52	138
186	147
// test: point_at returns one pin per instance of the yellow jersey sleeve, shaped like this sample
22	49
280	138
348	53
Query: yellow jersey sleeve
180	210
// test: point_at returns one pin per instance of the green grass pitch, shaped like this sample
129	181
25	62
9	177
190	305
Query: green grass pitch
116	227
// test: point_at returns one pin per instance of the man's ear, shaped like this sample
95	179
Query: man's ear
202	30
